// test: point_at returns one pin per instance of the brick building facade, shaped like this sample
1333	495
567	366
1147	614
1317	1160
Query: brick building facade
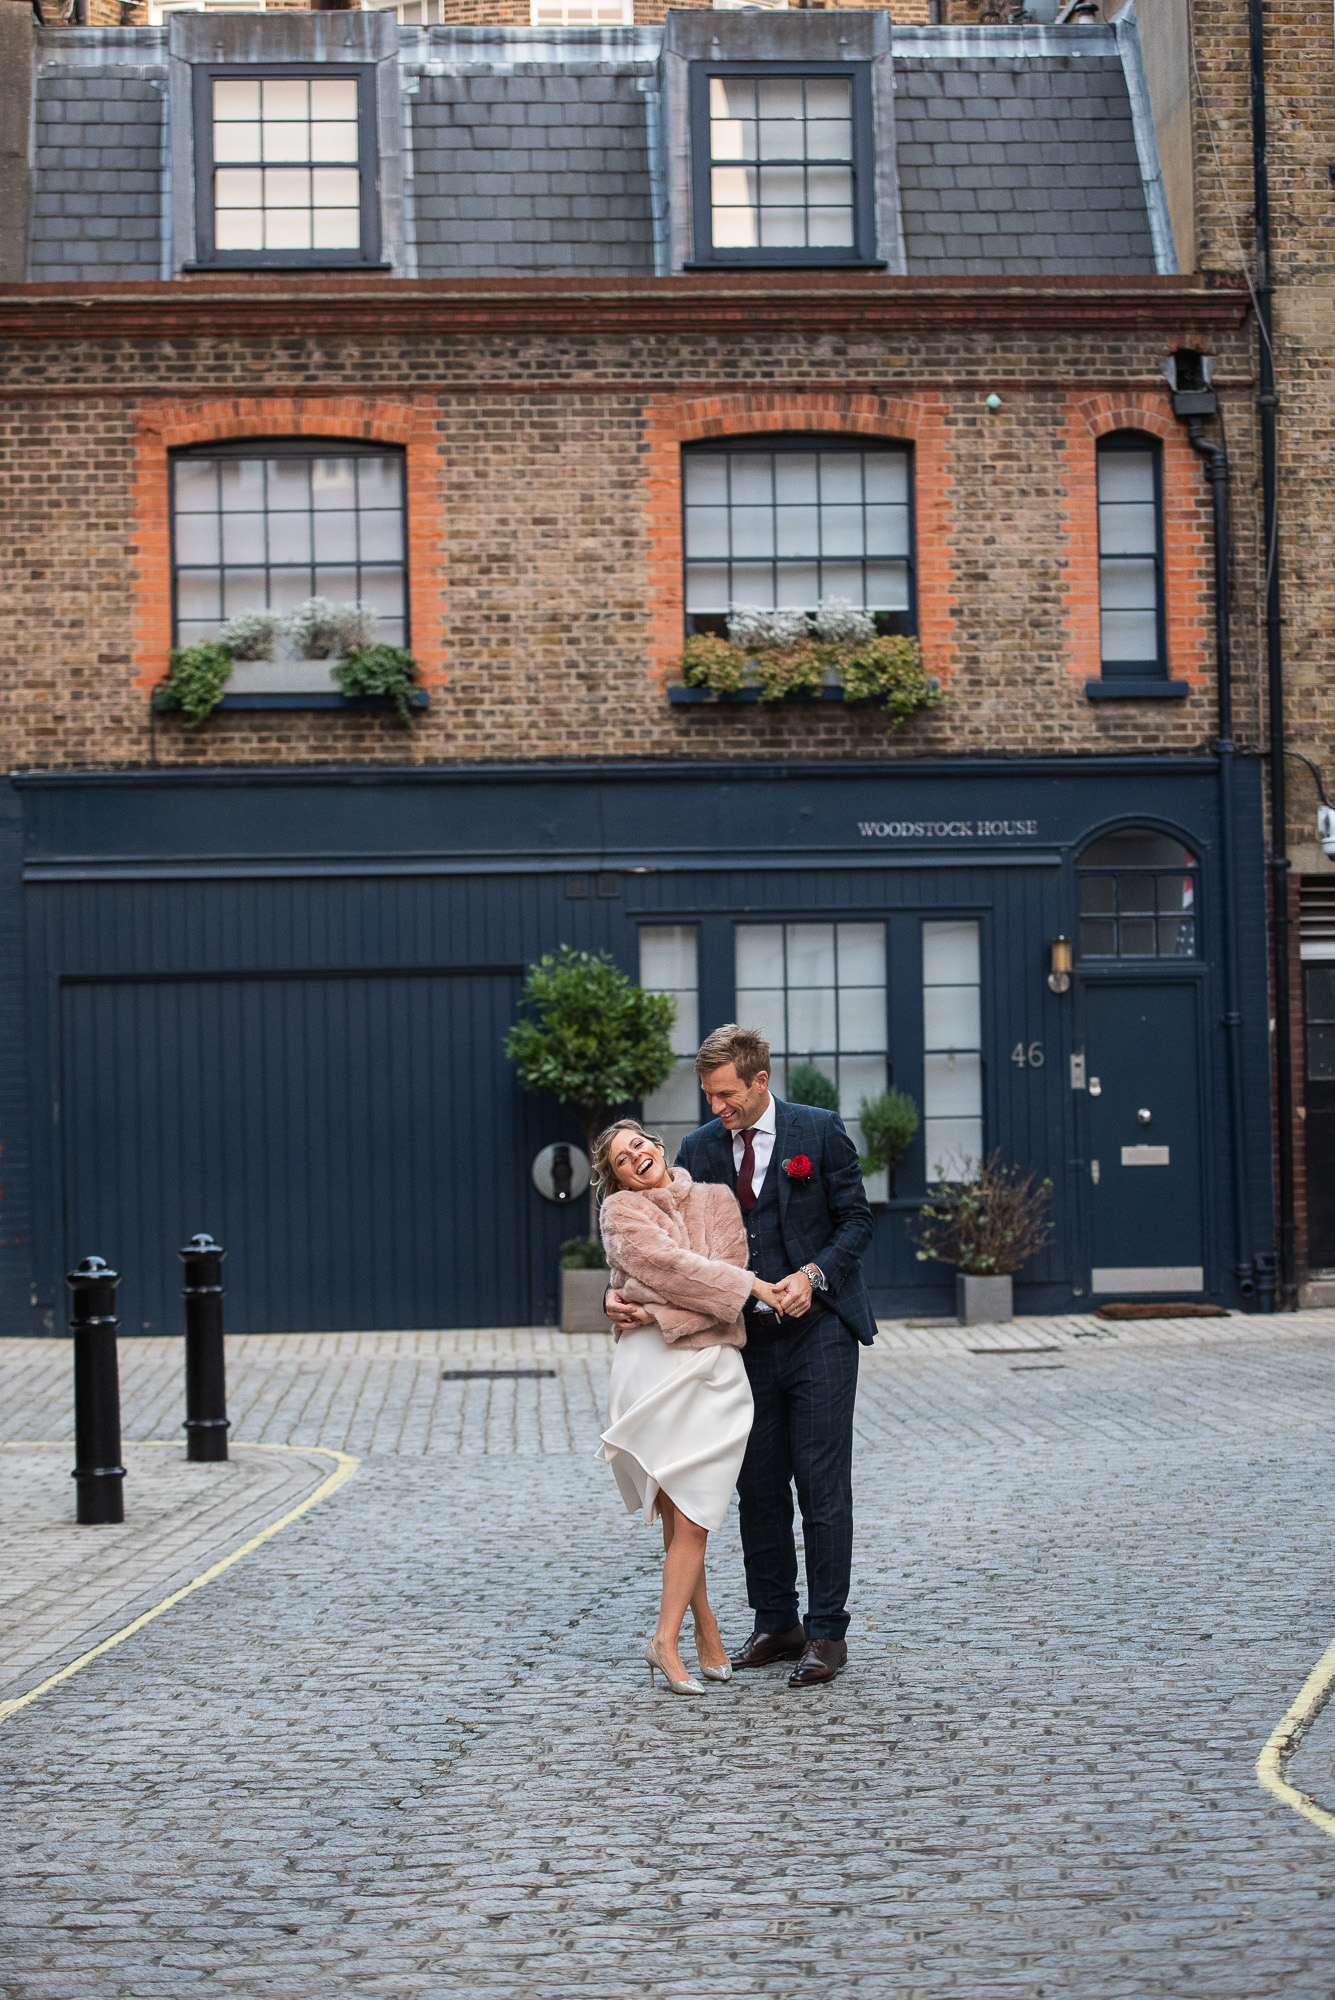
540	344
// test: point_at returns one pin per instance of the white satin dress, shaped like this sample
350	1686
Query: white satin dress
679	1421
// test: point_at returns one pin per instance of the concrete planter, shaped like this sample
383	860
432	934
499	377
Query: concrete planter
582	1302
282	677
983	1301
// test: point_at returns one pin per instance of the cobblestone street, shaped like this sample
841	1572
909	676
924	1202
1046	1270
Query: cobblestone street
406	1748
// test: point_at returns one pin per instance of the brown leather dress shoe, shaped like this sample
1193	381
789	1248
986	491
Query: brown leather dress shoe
762	1647
821	1660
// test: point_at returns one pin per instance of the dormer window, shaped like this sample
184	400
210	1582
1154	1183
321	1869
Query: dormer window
783	163
286	167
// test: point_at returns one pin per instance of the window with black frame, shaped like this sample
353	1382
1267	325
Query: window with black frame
782	164
795	522
1138	896
285	167
268	524
1131	597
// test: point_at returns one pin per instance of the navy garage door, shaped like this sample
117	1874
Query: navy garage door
356	1142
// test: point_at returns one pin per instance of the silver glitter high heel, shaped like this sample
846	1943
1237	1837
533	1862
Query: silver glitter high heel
688	1686
723	1673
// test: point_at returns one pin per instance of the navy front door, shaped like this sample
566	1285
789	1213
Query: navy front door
356	1142
1142	1143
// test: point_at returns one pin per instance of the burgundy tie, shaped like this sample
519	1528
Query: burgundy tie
746	1194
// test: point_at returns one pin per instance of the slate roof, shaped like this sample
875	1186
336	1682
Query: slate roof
532	171
1016	151
1027	165
97	172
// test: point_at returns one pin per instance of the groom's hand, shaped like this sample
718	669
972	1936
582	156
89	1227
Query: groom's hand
795	1292
619	1309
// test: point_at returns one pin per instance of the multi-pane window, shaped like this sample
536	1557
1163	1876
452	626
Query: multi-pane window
817	993
285	173
781	162
267	527
1137	896
581	13
789	525
780	176
952	1064
668	964
1130	555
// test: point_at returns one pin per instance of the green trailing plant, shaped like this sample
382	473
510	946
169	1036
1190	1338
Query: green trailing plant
591	1038
809	1085
583	1253
889	1125
989	1223
889	671
380	670
196	680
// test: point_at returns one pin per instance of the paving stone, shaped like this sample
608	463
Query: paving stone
406	1748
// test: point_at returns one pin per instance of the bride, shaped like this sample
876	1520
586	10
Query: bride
679	1401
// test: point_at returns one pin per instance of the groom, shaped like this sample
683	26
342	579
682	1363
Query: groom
795	1173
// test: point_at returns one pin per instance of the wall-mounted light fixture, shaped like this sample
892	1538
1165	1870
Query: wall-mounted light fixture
1059	979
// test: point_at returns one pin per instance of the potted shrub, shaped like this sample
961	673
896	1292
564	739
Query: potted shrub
987	1224
809	1085
889	1126
583	1282
590	1038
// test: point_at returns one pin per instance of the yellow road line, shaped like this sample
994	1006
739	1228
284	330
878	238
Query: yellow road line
344	1467
1272	1764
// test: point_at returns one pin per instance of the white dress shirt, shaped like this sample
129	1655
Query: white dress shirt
762	1146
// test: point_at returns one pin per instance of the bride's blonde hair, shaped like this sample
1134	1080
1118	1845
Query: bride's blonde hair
604	1178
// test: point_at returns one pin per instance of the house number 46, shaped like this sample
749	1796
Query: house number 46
1027	1058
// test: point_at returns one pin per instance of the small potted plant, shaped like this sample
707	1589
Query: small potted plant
987	1224
583	1281
889	1126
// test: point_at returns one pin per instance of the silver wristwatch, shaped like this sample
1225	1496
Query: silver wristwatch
817	1277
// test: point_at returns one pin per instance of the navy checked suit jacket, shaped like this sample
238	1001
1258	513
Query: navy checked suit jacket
825	1220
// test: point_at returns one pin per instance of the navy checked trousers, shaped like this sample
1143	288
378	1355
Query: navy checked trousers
804	1381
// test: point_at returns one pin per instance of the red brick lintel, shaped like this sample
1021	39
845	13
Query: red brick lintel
743	302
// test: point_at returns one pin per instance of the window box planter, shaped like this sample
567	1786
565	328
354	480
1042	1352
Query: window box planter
708	697
419	698
582	1302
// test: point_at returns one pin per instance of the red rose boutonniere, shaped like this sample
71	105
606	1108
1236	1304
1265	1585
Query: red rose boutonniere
798	1168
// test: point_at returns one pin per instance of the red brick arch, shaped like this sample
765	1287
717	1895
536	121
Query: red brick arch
1187	579
672	421
167	427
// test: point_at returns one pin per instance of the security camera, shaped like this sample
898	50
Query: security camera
1325	830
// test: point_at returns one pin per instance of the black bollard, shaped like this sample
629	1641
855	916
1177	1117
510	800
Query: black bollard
205	1366
98	1471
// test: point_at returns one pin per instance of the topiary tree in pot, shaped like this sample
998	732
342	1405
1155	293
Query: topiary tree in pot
591	1038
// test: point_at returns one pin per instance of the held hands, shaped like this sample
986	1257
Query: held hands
794	1294
769	1295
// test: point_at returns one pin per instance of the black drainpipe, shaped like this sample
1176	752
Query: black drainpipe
1193	400
1267	403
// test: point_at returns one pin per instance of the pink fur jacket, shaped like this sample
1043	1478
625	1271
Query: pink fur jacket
682	1251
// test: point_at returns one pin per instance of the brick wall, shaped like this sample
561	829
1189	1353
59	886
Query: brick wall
543	483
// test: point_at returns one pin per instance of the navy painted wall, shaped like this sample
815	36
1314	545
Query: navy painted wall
154	908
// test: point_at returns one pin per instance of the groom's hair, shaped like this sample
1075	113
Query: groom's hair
745	1048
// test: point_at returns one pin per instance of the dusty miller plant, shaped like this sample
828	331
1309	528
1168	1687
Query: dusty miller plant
251	635
321	630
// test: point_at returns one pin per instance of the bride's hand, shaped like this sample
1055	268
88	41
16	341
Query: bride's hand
768	1295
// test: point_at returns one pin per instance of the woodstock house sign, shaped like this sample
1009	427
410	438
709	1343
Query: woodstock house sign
945	829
